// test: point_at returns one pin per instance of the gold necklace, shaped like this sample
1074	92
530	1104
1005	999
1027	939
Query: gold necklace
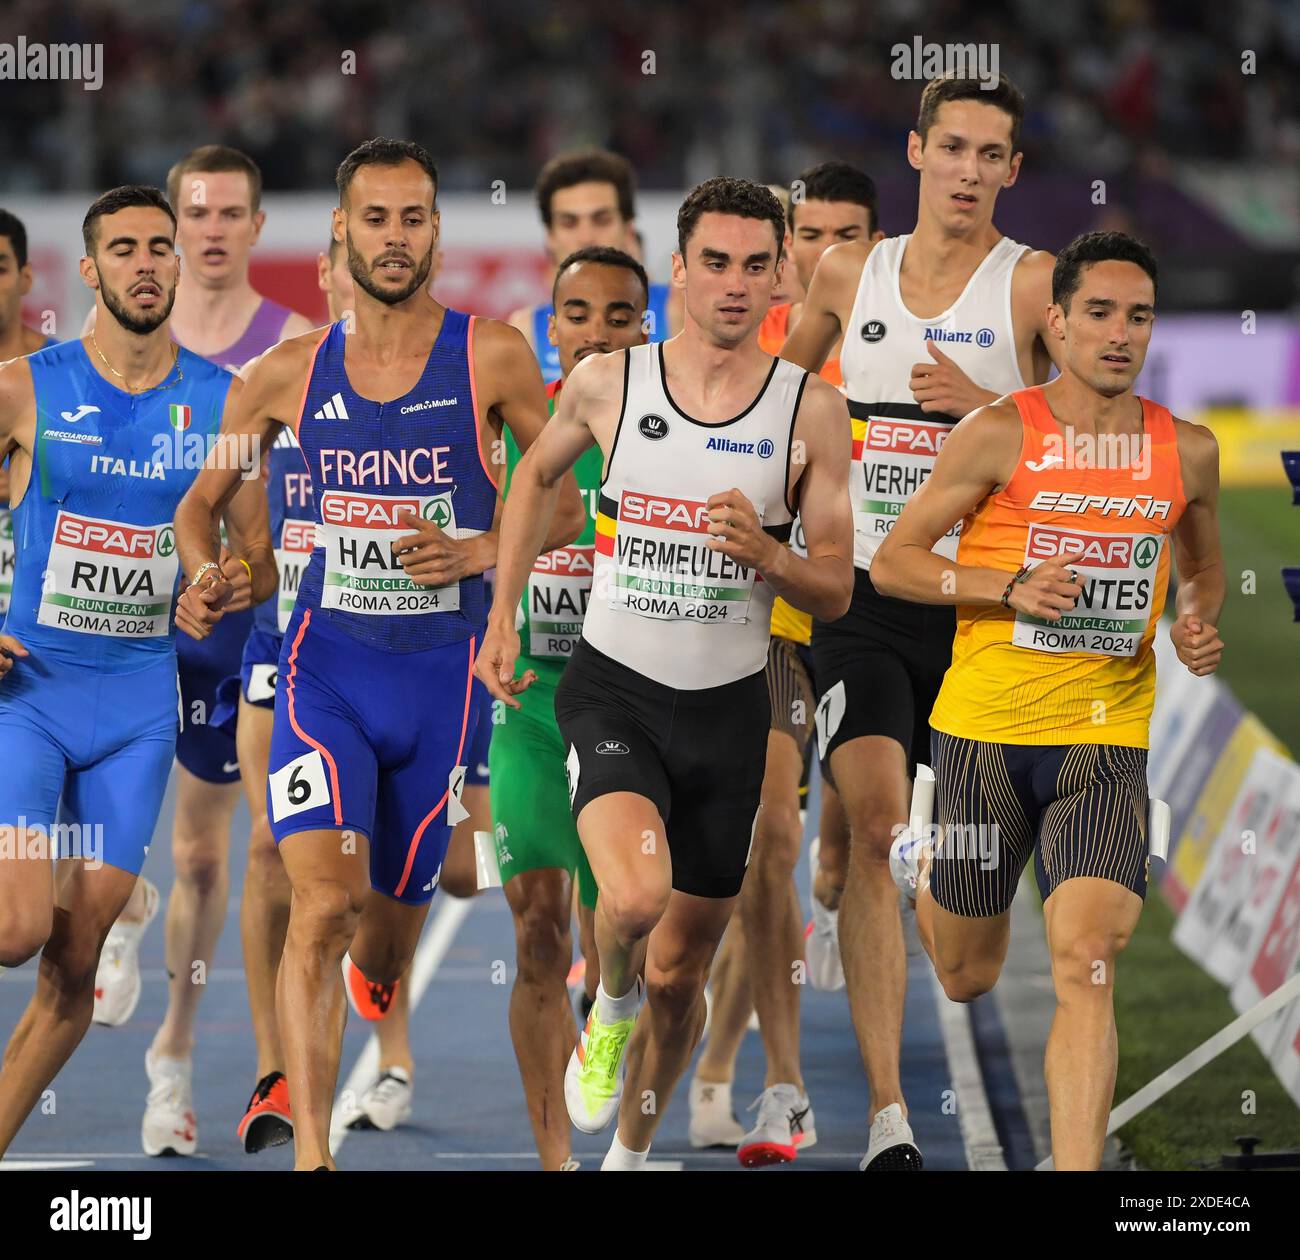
180	372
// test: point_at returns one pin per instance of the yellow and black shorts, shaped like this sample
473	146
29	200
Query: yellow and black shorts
1080	810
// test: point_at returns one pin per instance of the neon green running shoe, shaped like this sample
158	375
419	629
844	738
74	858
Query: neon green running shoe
593	1081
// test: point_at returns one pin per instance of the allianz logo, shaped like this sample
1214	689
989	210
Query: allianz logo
984	337
763	449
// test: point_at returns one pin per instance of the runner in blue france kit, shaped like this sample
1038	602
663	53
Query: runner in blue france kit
373	717
88	692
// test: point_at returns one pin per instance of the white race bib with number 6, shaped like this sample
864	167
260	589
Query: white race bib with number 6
298	786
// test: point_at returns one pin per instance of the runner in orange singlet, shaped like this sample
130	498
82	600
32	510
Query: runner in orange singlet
1070	493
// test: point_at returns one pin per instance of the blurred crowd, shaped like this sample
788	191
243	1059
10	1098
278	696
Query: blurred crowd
685	90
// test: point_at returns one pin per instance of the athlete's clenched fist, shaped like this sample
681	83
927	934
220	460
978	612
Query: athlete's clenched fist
737	531
202	605
1197	643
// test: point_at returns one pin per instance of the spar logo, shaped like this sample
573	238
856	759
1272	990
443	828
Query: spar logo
439	512
111	538
567	562
166	541
360	511
645	509
298	536
905	437
1095	550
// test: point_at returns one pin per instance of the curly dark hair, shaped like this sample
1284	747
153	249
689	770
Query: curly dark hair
727	195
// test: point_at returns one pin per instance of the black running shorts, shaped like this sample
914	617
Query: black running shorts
878	670
698	755
1078	809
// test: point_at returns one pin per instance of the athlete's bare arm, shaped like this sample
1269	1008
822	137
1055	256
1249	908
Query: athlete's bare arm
522	319
256	409
978	459
513	397
248	527
592	394
827	305
1201	579
17	436
822	583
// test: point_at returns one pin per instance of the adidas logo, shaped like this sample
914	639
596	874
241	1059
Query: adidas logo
332	410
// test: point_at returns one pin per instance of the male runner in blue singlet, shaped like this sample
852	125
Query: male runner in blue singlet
88	692
400	423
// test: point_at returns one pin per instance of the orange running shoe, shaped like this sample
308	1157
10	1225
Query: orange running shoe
267	1122
370	1001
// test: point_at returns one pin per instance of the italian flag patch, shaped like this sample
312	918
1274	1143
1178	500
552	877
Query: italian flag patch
180	415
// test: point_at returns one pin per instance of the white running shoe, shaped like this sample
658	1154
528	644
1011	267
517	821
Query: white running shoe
713	1122
117	978
570	1165
890	1147
785	1124
593	1079
822	936
169	1126
911	934
905	861
387	1103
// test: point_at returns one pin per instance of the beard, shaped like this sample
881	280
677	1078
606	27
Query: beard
360	270
143	323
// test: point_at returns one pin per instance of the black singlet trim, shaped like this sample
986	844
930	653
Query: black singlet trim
710	424
622	411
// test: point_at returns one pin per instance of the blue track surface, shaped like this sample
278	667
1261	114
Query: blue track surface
469	1108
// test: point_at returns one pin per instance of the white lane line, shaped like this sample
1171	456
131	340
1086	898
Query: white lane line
431	951
35	1165
979	1135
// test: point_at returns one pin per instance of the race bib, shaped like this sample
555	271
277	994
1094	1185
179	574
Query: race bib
1119	589
104	577
261	683
299	786
891	458
558	590
362	573
297	538
6	559
664	568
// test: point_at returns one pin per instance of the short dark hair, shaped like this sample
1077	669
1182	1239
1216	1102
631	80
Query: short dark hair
835	181
1095	247
951	87
725	194
384	152
587	166
605	256
12	227
122	198
216	157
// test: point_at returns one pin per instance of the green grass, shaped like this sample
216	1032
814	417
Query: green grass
1165	1005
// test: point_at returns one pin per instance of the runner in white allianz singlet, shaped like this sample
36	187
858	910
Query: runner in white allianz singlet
935	324
663	706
